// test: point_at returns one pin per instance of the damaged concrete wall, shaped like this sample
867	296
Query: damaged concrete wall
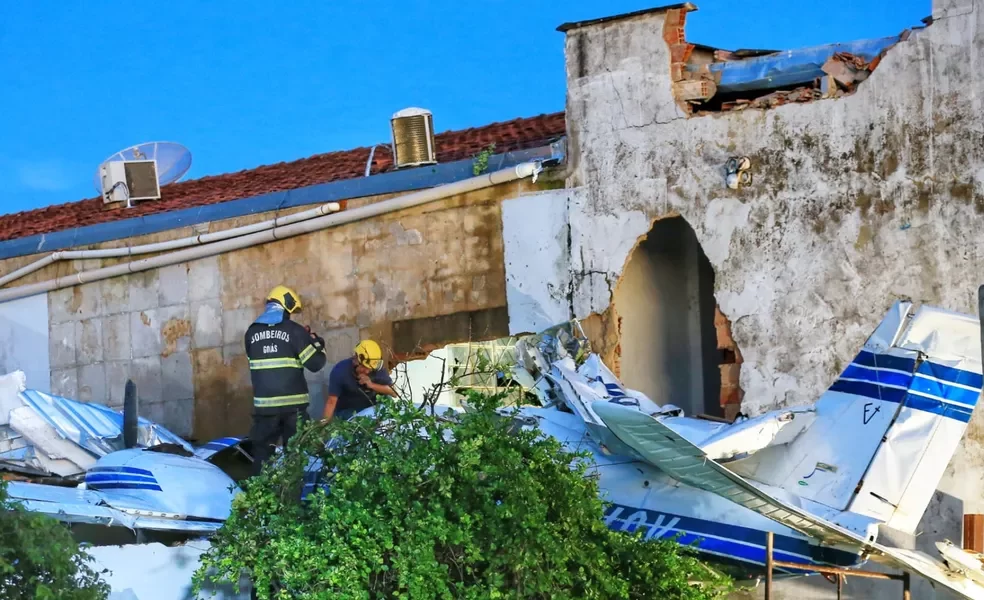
855	202
538	276
24	340
416	279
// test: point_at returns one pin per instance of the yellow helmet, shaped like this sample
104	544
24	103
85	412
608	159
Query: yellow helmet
369	354
287	298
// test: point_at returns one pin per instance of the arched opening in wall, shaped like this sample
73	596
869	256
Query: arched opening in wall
674	345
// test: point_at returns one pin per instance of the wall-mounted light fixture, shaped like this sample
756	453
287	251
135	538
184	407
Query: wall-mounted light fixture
738	172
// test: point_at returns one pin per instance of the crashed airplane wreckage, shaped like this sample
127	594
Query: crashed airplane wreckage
112	477
821	479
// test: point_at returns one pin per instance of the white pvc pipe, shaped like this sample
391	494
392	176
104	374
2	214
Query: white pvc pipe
195	240
520	171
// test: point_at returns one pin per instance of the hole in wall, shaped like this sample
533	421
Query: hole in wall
674	344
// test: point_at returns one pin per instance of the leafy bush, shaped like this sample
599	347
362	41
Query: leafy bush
498	513
39	559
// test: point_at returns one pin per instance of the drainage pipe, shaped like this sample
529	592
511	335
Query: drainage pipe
195	240
520	171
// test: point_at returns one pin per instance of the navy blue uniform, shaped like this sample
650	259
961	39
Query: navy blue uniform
279	350
352	397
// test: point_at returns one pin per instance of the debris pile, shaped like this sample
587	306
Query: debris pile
844	71
721	80
47	438
803	94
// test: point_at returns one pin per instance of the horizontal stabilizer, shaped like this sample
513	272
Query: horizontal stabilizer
669	452
74	505
666	450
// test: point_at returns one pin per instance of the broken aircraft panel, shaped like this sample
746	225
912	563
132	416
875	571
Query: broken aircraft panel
77	469
46	435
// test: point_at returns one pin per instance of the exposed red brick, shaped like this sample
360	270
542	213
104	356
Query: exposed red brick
723	327
730	396
674	35
518	134
973	535
676	72
674	18
679	53
731	392
730	374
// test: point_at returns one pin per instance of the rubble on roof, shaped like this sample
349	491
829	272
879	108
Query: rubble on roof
788	68
708	80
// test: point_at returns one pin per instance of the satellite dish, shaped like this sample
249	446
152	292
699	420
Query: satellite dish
173	161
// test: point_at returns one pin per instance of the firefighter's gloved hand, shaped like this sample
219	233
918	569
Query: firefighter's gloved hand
319	342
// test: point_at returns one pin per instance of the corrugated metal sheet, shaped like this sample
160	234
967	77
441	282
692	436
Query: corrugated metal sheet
96	428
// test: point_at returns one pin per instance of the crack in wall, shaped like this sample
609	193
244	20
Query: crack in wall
654	122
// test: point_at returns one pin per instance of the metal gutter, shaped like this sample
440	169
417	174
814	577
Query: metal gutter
332	219
383	183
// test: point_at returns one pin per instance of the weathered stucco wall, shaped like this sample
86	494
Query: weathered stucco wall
412	280
855	202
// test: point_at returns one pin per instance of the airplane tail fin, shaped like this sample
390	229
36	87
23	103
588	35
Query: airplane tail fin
933	413
887	428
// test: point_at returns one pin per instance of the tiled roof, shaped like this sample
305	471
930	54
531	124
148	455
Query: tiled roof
508	136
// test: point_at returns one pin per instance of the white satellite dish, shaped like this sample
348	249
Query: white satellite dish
141	170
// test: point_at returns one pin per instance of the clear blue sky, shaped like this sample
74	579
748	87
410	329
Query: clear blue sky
248	83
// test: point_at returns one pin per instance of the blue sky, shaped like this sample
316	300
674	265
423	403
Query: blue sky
248	83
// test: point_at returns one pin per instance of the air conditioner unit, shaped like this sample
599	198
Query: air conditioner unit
129	180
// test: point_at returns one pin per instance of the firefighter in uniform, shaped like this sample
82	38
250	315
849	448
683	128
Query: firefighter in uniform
354	382
279	350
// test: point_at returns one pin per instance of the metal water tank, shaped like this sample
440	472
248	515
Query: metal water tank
413	138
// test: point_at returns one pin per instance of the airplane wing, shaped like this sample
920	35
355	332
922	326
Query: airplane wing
74	505
666	450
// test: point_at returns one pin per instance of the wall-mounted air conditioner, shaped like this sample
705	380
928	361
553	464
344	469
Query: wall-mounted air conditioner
129	180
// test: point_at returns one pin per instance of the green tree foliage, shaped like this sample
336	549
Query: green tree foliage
426	506
40	560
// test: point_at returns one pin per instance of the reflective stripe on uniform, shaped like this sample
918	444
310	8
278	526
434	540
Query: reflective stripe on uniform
275	363
280	401
307	353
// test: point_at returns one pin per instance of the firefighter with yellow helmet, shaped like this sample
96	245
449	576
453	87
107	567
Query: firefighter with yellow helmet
354	382
279	350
